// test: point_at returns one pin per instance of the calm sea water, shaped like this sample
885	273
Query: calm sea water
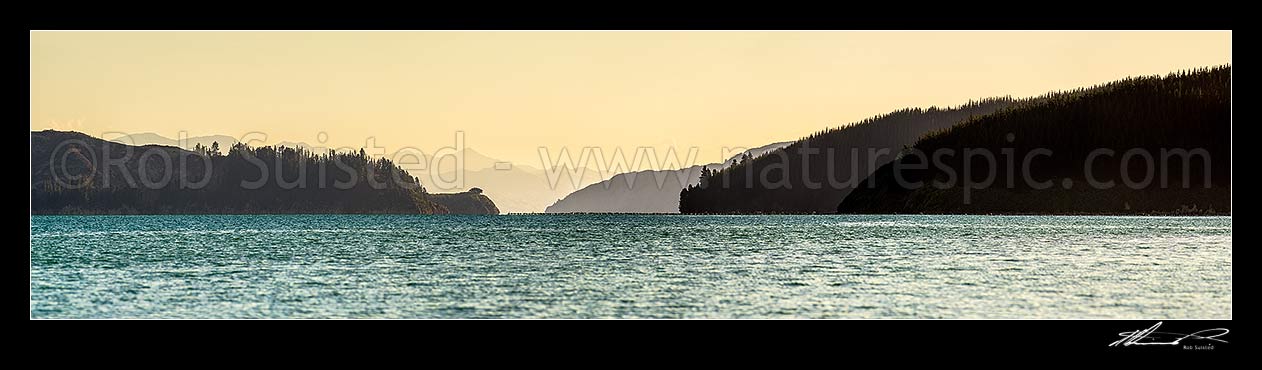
623	266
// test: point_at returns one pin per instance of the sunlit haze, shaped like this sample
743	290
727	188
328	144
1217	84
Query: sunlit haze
512	92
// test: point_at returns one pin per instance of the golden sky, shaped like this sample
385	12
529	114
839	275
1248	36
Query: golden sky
511	92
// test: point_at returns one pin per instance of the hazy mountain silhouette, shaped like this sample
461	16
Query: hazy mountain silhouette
645	192
225	141
73	173
834	158
1186	110
518	189
149	138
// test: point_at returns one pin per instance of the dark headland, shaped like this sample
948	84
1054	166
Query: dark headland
73	173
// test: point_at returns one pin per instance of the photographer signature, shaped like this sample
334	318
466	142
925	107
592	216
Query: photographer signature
1152	337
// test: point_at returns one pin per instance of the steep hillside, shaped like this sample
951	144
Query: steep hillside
1162	145
813	174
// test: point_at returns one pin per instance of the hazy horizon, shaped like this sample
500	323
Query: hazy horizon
512	92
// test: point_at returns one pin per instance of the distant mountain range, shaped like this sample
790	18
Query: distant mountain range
643	191
515	188
149	138
225	141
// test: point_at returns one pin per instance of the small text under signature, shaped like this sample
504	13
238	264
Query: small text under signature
1152	337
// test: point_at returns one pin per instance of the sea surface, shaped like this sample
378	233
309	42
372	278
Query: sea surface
629	266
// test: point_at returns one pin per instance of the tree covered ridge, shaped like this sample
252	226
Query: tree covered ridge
1131	112
836	159
1169	122
245	179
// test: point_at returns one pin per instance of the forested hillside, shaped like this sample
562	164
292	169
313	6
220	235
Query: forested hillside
73	173
1163	143
814	173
